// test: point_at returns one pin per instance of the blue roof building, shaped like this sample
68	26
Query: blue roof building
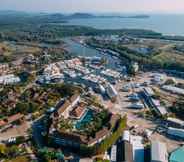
177	155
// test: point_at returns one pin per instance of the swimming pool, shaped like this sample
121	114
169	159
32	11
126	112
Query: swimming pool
87	117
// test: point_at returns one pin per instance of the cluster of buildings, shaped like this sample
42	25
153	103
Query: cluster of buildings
5	76
136	101
129	148
75	110
175	127
82	71
9	79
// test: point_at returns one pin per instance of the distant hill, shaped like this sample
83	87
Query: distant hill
20	17
11	12
81	15
87	15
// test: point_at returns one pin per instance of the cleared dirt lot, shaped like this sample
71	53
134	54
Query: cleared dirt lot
16	131
134	119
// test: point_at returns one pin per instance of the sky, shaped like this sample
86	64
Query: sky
118	6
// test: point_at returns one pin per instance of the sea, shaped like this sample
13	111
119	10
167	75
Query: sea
165	24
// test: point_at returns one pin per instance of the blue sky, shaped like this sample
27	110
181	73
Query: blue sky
157	6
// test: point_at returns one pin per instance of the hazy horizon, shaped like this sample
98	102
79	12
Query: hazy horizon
95	6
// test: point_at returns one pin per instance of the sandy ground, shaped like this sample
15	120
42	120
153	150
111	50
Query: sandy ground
15	131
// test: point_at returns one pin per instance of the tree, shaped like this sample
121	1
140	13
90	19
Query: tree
46	155
3	150
22	107
18	159
13	151
178	108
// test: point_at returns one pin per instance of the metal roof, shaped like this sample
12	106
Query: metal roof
177	155
158	151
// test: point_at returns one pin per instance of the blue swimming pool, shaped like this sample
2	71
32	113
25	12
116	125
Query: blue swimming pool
85	119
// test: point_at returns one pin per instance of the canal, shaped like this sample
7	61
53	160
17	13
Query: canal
77	49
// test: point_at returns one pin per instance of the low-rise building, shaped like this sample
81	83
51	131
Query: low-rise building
173	89
174	122
153	103
111	74
159	152
175	132
177	155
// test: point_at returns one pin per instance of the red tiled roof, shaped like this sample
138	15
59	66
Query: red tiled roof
2	123
79	111
15	117
11	119
63	107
